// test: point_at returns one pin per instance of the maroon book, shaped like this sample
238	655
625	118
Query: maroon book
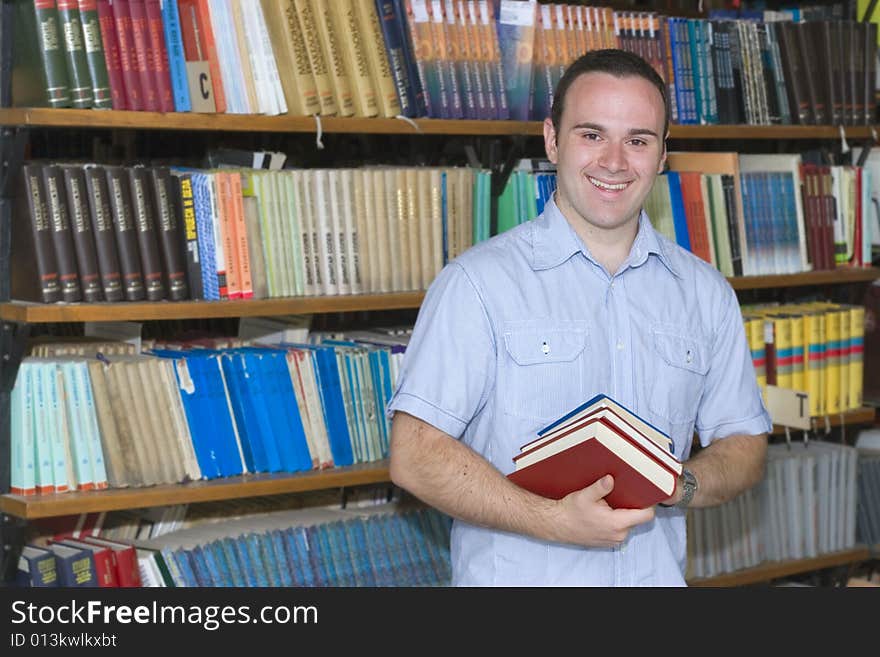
159	60
143	54
134	94
111	55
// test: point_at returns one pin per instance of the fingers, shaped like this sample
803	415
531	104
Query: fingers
600	488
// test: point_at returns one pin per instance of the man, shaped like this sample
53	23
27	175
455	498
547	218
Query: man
585	299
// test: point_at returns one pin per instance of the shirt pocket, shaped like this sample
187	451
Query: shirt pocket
543	368
678	364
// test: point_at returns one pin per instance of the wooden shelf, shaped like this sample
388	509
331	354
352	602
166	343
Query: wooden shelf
863	415
23	311
37	313
769	571
827	277
251	485
74	118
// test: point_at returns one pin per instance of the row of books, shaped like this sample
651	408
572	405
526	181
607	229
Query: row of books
110	233
388	545
88	561
804	507
816	348
868	520
174	414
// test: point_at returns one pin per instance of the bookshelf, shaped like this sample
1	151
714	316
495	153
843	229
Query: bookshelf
37	117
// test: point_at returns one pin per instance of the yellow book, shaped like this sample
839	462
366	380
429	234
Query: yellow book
309	27
782	343
754	327
292	57
857	353
328	37
436	193
845	335
798	372
398	236
814	360
350	38
832	361
388	104
413	276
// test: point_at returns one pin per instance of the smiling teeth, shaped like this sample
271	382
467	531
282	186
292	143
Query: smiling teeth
601	185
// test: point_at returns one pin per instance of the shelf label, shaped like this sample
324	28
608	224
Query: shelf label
788	408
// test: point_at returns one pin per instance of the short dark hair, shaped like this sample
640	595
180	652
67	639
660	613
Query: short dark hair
620	64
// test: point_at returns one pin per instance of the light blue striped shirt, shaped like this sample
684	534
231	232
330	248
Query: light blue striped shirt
528	325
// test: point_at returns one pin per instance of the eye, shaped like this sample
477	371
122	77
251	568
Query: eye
638	142
592	136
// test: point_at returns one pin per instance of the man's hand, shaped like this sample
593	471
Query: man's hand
588	520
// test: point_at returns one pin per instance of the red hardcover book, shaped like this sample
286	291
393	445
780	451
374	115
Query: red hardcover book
127	57
105	561
161	71
127	572
199	44
111	55
143	54
587	451
695	211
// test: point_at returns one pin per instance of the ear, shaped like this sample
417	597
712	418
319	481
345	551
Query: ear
550	141
661	167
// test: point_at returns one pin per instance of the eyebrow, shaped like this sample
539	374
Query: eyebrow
599	128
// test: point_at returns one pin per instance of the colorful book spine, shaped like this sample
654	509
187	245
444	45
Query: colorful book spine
516	34
814	352
176	57
832	362
158	59
112	56
857	355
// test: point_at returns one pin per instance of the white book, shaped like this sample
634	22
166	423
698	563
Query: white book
326	253
228	57
363	204
350	231
22	414
313	282
273	78
337	230
63	394
90	424
259	70
375	181
297	266
180	427
285	209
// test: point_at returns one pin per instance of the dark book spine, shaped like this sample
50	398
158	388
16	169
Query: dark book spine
134	98
169	229
44	249
111	55
797	98
729	189
871	73
101	215
126	233
830	71
62	237
161	72
398	18
143	54
52	53
95	55
186	210
144	219
809	66
7	21
83	237
851	72
75	54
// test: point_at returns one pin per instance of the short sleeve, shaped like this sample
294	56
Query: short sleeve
731	402
448	367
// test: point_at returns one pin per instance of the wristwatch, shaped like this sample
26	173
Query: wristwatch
689	487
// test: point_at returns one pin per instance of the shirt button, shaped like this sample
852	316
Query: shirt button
620	346
612	283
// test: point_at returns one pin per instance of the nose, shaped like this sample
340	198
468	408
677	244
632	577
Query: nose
613	157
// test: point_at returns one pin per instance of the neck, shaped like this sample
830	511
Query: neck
609	246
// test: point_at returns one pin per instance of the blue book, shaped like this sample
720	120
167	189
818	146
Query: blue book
232	374
215	560
384	569
225	430
244	558
356	535
400	69
679	217
259	563
181	567
300	569
398	17
176	57
284	572
233	561
287	426
198	563
204	213
36	567
75	567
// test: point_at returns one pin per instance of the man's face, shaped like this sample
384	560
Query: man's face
609	149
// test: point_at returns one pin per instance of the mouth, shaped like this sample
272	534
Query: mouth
608	187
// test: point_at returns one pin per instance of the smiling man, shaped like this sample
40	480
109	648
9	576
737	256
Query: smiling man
588	298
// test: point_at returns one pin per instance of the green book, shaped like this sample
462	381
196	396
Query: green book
71	31
95	57
39	76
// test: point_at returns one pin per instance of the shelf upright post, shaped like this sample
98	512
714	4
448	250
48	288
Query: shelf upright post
501	174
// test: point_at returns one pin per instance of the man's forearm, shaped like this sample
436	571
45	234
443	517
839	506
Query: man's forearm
727	467
448	475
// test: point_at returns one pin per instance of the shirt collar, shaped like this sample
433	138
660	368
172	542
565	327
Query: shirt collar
554	241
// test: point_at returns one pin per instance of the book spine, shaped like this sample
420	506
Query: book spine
377	58
176	58
183	199
355	57
44	251
52	53
56	205
112	58
101	216
7	18
83	238
396	57
169	229
241	236
134	94
119	193
143	55
96	57
210	46
332	48
156	45
75	54
145	225
309	29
